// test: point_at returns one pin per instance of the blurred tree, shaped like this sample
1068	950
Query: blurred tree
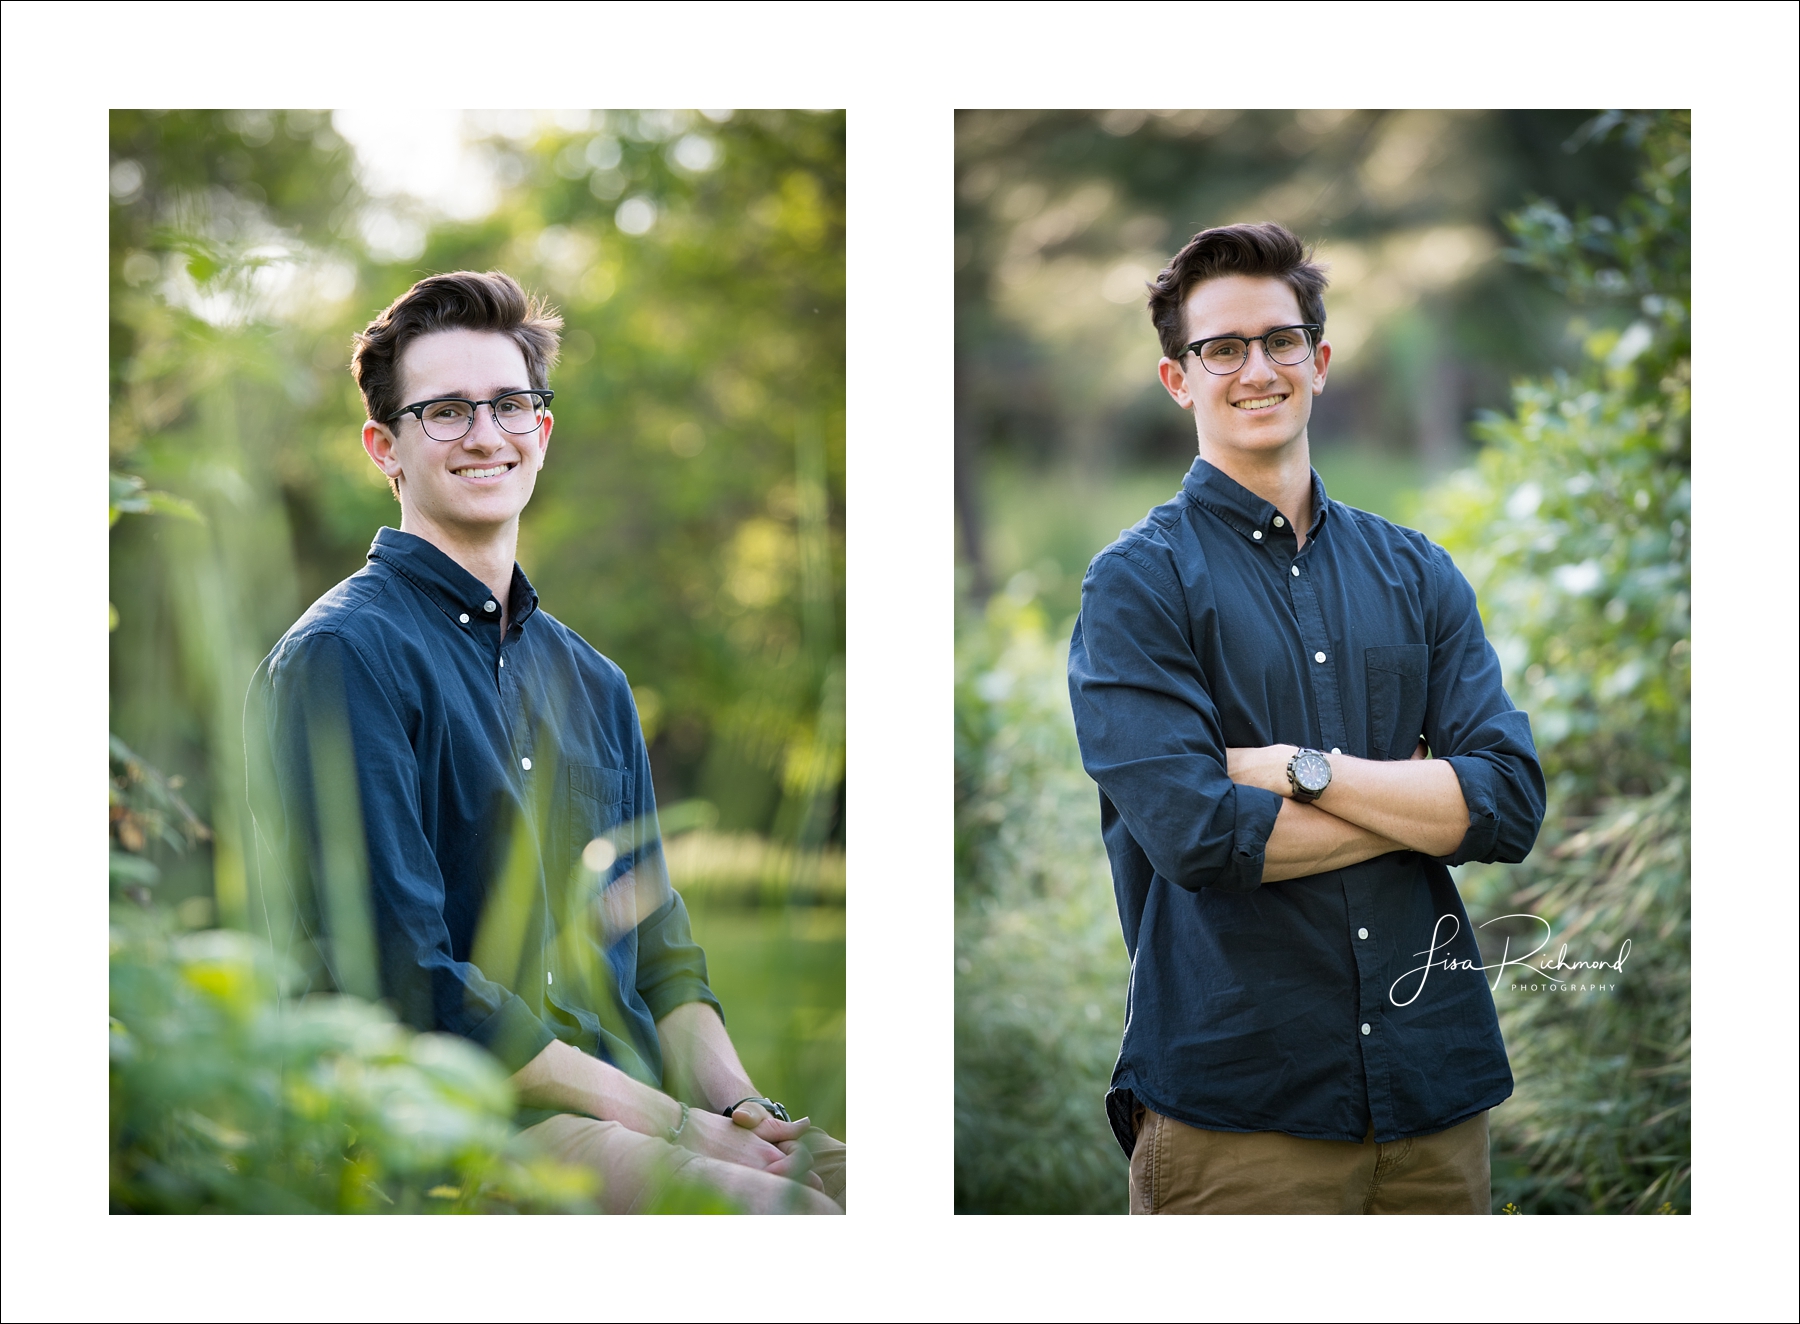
1062	215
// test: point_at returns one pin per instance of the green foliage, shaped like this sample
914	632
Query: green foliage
1040	963
227	1099
1573	528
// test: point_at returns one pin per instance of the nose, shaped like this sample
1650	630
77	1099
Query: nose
1258	367
485	433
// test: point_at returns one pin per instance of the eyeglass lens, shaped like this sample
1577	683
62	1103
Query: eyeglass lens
1288	346
450	420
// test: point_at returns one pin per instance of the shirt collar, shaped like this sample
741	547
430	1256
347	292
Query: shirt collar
446	583
1241	508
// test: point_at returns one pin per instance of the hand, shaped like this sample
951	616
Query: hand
716	1137
752	1116
1264	767
785	1136
1421	752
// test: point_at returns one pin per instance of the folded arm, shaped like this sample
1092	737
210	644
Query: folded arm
1415	804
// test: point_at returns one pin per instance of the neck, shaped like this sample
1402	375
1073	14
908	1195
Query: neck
1281	477
487	553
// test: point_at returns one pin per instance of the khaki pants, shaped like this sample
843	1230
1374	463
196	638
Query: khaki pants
633	1167
1181	1169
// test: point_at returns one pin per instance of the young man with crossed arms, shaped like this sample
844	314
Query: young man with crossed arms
1257	675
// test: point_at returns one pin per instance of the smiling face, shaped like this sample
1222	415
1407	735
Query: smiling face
471	489
1262	409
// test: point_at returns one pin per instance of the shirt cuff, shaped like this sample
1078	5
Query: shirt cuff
1477	781
667	996
1256	812
513	1034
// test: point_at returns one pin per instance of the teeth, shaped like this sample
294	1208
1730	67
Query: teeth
1268	402
495	472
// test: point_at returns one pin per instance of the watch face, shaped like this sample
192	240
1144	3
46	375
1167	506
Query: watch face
1312	772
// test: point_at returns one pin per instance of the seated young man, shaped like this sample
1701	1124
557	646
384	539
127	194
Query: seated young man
515	884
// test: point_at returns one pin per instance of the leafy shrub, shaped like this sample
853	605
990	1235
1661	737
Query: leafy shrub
226	1099
1040	962
1574	528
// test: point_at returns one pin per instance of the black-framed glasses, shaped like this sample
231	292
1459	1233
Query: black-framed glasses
449	418
1286	345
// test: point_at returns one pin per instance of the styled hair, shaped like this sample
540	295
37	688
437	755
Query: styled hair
453	301
1233	250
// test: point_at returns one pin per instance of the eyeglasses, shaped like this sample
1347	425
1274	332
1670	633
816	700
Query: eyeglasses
1286	345
449	418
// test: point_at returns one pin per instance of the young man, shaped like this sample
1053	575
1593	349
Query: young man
1257	675
510	885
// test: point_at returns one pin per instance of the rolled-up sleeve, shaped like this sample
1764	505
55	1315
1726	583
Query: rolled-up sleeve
1470	722
671	967
1150	733
322	697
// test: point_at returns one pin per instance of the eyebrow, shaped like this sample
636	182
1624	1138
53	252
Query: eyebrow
1242	335
463	393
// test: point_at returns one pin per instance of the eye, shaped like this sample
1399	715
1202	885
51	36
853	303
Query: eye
1283	340
1224	349
447	411
515	404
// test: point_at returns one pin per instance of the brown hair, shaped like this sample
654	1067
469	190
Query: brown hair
453	301
1233	250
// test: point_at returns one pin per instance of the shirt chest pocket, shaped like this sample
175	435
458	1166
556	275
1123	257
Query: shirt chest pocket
1397	679
593	802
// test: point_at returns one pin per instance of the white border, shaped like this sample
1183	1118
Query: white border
899	70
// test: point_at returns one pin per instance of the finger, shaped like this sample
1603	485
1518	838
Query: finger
1421	751
749	1114
776	1129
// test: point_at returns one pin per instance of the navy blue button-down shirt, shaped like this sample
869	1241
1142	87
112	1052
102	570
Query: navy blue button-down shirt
510	887
1314	1006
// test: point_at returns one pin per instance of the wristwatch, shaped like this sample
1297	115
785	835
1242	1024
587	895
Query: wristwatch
775	1109
1309	773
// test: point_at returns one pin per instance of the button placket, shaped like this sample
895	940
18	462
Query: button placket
1321	673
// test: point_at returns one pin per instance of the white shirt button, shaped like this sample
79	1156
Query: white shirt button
464	618
1362	933
1336	750
549	978
1365	1027
488	605
1294	570
1256	534
1280	523
503	663
525	764
1318	657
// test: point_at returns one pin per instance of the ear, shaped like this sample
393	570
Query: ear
544	438
1321	363
382	448
1174	380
